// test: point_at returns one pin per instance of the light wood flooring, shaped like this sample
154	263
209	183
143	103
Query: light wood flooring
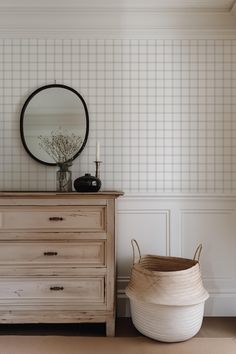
213	327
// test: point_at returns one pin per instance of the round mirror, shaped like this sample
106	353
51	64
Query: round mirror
54	124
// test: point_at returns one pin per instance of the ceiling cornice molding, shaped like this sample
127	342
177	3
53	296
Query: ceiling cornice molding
102	34
163	5
61	19
111	9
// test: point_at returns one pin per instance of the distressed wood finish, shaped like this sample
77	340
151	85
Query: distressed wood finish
53	218
87	254
57	258
79	291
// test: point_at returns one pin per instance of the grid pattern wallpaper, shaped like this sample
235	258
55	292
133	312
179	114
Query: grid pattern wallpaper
164	111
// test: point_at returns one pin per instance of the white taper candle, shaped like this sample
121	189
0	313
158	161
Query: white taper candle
98	151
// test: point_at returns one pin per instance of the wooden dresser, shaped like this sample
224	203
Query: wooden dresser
57	258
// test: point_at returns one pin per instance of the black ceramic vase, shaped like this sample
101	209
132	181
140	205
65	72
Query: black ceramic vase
87	183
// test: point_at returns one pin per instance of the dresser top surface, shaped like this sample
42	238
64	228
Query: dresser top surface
58	195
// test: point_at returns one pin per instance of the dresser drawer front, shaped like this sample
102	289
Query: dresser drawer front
85	219
68	291
82	253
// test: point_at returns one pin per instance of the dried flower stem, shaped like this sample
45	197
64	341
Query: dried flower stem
61	146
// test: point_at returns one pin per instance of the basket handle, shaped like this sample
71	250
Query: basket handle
197	253
135	247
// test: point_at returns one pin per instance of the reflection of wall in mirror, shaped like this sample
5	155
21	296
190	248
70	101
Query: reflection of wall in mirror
52	122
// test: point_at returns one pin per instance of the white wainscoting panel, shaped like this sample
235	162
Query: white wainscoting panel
149	228
215	229
176	225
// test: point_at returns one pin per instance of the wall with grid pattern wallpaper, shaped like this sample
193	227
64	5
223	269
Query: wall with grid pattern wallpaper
163	111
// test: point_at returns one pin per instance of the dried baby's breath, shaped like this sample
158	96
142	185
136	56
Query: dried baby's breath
60	145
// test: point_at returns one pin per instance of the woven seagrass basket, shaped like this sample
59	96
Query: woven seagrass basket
166	296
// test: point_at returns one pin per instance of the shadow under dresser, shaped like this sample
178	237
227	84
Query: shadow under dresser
57	258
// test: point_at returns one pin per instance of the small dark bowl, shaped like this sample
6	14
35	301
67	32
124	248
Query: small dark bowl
87	183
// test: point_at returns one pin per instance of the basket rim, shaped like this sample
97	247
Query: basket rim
193	264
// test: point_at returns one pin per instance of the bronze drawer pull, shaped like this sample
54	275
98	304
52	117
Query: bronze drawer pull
56	218
56	288
50	253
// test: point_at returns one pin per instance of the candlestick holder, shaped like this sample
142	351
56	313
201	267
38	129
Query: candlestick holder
97	173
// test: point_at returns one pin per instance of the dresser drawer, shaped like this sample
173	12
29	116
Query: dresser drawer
53	291
84	219
82	253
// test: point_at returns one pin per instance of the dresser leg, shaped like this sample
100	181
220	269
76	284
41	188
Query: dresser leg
110	327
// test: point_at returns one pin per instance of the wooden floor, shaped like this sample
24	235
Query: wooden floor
213	327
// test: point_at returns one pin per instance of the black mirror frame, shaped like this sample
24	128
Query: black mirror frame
22	120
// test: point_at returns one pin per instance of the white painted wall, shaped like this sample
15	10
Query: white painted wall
160	89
